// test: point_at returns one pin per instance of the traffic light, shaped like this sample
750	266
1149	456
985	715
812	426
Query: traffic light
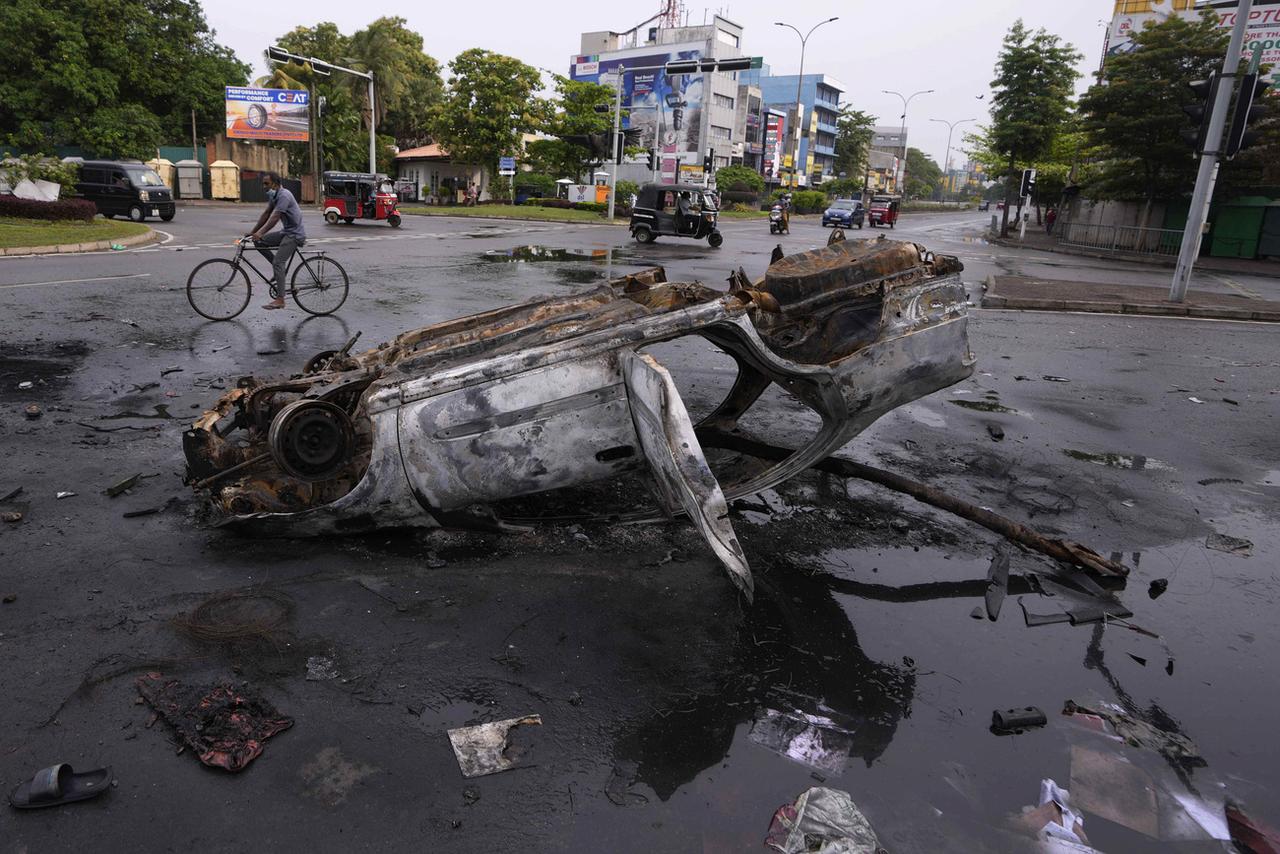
1028	185
653	160
708	160
1246	113
1206	92
626	137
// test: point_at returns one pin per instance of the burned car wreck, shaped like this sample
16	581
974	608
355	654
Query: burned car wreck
443	424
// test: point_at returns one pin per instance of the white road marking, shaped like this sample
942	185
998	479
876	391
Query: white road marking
75	281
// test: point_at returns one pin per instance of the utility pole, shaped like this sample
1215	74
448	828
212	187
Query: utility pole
906	101
804	41
193	134
617	131
316	192
1208	174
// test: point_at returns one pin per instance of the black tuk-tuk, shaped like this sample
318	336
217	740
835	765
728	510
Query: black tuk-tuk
675	210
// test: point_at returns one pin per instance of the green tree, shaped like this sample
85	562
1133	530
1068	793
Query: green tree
117	77
1134	118
854	130
406	81
582	109
1035	76
923	174
488	106
739	178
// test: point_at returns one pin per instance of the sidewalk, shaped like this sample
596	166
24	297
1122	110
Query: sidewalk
1038	240
1021	292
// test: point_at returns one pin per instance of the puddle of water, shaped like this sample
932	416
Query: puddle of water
519	254
1136	462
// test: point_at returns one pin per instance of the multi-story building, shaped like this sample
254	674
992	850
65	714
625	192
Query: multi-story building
687	117
814	134
892	141
751	121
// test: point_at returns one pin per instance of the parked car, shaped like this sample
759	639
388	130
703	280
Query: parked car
984	205
125	188
844	213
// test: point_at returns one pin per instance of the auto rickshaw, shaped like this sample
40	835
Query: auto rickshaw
349	196
883	211
657	212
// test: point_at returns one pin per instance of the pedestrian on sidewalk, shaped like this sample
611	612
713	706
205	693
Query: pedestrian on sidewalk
282	208
1049	219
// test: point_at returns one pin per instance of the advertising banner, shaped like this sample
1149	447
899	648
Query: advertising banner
773	132
667	108
1263	33
278	114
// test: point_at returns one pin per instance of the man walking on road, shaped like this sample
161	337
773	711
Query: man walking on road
282	208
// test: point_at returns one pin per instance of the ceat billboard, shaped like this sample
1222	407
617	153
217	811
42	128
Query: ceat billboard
279	114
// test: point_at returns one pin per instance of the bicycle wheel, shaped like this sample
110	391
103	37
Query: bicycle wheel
319	285
215	291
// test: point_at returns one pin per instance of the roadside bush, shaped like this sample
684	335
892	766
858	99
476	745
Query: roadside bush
37	167
741	197
809	201
538	184
739	178
843	188
625	189
550	203
63	209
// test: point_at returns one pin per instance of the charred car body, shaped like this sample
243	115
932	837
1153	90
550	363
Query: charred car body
443	424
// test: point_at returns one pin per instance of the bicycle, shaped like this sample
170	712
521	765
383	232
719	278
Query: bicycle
216	292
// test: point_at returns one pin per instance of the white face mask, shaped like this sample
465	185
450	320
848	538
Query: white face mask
271	195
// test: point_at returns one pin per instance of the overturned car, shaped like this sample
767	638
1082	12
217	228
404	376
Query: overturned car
446	424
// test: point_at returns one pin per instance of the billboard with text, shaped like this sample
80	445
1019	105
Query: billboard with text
279	114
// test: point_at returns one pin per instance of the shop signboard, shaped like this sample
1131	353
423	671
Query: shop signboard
1262	34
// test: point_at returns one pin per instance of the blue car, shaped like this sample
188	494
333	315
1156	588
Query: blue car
844	213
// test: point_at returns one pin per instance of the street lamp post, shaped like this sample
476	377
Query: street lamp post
804	40
906	101
946	163
319	66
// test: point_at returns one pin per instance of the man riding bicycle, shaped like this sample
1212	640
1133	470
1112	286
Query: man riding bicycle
282	208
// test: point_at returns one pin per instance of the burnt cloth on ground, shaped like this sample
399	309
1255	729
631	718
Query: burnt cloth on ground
225	724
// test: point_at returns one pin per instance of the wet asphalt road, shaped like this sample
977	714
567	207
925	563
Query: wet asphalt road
653	682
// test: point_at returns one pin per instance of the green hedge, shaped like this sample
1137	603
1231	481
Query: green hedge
63	209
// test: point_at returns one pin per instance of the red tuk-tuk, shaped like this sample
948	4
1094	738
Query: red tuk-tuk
349	196
883	211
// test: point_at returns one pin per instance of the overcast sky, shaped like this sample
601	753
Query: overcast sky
908	45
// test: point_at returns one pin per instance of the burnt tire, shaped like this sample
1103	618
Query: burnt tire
311	439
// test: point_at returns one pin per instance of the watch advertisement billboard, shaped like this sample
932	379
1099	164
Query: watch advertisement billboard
667	108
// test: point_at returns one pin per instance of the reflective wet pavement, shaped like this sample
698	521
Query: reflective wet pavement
668	706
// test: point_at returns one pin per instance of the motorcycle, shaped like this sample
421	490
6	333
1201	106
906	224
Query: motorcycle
778	221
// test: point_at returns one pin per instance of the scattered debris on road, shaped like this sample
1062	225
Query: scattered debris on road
224	724
1230	545
123	486
822	819
60	784
64	494
1011	721
997	583
32	411
487	748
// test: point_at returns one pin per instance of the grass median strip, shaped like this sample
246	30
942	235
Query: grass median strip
17	232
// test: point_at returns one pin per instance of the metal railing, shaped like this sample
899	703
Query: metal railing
1129	239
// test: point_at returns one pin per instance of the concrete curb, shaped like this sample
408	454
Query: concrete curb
513	219
68	248
990	299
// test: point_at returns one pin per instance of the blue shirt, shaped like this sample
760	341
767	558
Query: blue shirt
290	215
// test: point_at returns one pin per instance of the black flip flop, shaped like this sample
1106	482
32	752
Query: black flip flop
59	784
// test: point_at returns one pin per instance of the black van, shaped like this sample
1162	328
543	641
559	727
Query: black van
131	189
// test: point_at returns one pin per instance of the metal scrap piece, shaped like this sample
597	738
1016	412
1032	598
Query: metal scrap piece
484	749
